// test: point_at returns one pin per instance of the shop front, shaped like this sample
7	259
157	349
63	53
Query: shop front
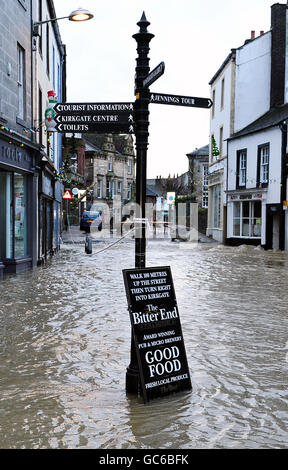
18	207
246	218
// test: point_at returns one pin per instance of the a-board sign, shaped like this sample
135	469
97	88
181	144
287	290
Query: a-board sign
157	331
95	117
179	100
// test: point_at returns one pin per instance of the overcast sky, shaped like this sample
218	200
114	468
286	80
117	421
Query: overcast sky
192	38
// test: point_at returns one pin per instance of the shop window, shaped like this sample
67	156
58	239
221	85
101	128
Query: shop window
205	187
13	215
217	205
20	216
247	219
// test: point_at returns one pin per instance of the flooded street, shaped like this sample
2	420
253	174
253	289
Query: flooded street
65	346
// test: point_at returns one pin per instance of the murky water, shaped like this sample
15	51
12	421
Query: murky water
65	346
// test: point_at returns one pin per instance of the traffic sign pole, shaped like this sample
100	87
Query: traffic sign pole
141	120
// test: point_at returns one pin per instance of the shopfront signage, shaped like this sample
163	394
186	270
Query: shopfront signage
154	75
178	100
157	331
94	117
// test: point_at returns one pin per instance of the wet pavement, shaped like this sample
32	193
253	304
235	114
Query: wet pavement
65	346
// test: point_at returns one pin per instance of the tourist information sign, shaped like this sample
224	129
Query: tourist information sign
178	100
157	331
154	75
94	117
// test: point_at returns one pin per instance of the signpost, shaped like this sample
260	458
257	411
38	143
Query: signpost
157	346
157	331
154	75
178	100
94	117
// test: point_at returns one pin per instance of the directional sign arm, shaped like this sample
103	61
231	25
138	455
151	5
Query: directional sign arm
179	100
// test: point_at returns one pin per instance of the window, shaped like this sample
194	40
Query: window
129	191
40	19
217	205
110	190
222	92
213	106
130	166
205	187
40	115
99	189
110	164
221	142
119	187
247	219
263	165
47	49
241	168
21	81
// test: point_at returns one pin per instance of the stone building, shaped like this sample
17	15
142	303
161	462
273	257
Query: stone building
110	164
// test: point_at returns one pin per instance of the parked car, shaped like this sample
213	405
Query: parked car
91	217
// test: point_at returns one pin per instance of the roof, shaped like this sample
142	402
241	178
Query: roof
202	151
222	67
272	118
150	191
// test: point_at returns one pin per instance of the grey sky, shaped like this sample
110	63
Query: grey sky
192	37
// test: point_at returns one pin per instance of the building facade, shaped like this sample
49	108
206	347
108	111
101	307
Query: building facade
110	164
257	151
221	127
23	176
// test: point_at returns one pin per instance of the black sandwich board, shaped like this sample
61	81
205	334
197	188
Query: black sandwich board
157	331
95	117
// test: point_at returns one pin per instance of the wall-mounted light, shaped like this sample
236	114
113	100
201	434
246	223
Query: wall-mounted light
77	15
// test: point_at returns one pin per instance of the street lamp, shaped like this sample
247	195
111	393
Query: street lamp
77	15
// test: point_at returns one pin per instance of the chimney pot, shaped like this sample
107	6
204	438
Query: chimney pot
261	33
252	34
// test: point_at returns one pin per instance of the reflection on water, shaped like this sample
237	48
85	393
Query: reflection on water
65	344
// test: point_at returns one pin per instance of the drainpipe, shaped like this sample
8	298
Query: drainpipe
283	189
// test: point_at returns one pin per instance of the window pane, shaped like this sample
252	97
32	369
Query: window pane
236	227
20	223
245	228
257	209
236	209
245	209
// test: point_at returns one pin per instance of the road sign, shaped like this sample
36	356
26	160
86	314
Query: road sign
154	75
95	117
67	195
178	100
157	331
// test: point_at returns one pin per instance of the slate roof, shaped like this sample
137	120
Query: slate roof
272	118
202	151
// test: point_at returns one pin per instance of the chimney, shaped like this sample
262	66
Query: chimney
278	53
261	33
252	34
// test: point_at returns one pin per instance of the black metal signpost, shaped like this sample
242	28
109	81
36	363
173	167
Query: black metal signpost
158	364
157	331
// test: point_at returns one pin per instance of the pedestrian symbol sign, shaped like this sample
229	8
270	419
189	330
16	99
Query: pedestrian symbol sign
67	195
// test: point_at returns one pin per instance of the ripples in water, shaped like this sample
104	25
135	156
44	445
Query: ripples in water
65	346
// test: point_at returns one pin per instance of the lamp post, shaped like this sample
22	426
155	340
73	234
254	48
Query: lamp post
77	15
141	115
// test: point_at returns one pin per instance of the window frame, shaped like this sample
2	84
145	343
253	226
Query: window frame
241	170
